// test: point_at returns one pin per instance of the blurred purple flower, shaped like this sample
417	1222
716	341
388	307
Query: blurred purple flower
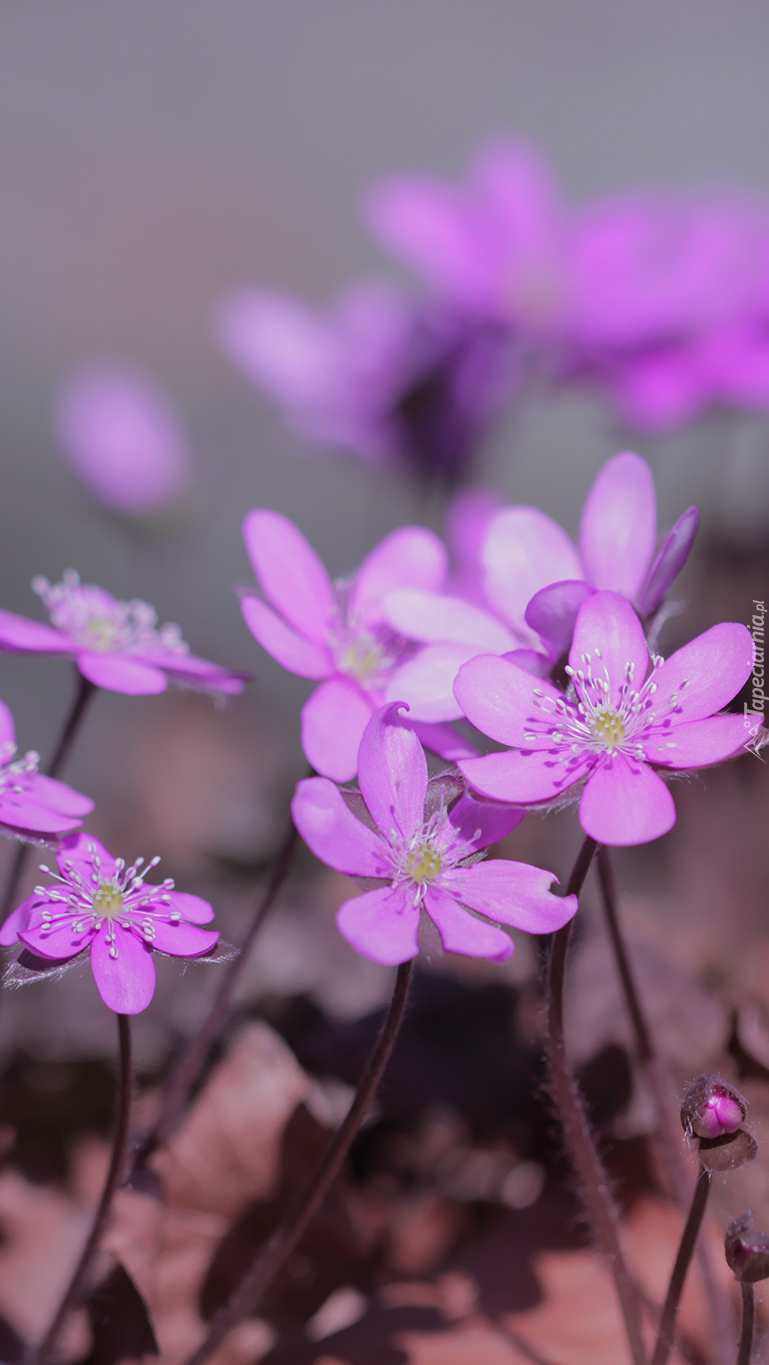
123	439
99	904
116	645
423	841
615	720
390	379
32	804
336	632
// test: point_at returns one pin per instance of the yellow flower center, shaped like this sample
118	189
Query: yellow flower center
424	864
100	633
609	727
362	658
108	901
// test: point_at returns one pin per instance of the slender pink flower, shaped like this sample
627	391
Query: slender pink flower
123	439
116	645
423	840
336	633
621	719
32	804
98	904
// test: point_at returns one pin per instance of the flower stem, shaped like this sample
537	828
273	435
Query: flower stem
189	1064
686	1247
748	1314
600	1207
45	1351
281	1243
83	694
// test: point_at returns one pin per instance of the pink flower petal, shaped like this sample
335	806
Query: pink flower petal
333	721
484	822
126	983
292	650
411	557
434	618
524	777
513	893
669	562
7	728
193	908
503	700
392	773
552	613
697	743
426	682
609	639
625	803
704	675
17	920
525	550
58	796
19	633
291	574
180	939
21	811
117	673
56	943
443	740
462	933
334	834
187	670
619	526
382	925
88	856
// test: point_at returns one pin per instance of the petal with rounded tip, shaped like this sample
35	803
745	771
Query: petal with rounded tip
382	925
619	525
291	574
435	618
513	893
118	673
411	557
126	983
426	682
21	811
90	859
609	640
57	942
50	792
625	803
334	834
552	613
31	637
525	776
179	939
504	701
291	649
392	773
704	675
461	932
669	562
524	551
698	743
333	721
192	908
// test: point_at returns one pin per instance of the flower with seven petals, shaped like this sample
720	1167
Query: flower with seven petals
622	717
423	841
98	903
30	802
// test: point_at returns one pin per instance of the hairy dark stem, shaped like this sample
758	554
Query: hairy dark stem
682	1262
599	1204
279	1246
84	691
46	1350
748	1314
189	1064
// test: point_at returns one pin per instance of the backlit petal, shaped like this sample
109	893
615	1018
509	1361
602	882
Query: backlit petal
619	526
334	834
291	649
291	574
392	773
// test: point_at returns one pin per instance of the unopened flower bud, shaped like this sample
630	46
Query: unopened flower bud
747	1250
712	1107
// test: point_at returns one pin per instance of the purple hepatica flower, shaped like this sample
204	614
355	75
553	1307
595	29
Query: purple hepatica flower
423	841
336	632
619	721
98	903
535	581
388	378
123	440
31	804
116	645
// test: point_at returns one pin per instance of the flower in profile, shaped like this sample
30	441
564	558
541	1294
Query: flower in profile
423	840
622	718
336	633
391	379
32	804
98	904
123	440
116	645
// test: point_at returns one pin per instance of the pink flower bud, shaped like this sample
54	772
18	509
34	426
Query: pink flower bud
712	1108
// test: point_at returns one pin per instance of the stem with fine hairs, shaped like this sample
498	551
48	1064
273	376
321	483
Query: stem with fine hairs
248	1293
46	1350
682	1262
599	1204
748	1315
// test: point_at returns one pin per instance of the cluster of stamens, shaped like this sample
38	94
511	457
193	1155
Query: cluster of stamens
96	620
13	770
422	858
121	899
